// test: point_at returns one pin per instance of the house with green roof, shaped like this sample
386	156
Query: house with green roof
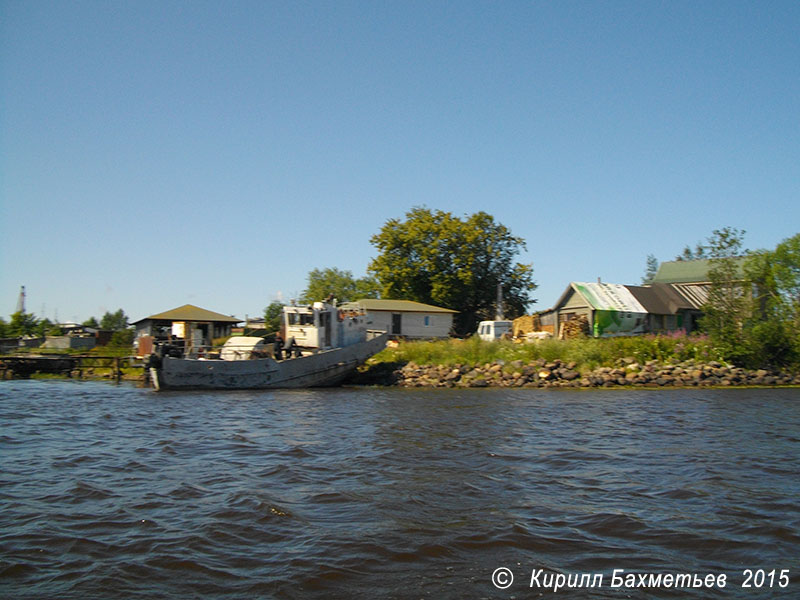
690	271
405	318
690	278
673	301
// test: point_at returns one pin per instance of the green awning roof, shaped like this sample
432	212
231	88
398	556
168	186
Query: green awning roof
189	312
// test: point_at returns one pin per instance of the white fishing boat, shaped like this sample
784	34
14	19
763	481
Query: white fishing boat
323	345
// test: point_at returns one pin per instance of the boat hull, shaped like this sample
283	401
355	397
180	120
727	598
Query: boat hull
325	368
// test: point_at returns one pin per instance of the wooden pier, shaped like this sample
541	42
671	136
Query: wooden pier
23	366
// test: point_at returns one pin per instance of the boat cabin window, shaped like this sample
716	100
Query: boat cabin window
300	318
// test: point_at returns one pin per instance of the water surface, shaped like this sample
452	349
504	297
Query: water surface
119	492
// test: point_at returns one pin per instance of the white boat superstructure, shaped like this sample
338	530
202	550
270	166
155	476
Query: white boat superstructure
319	346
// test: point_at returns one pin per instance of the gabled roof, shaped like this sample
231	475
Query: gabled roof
660	298
398	306
608	296
688	271
190	312
657	298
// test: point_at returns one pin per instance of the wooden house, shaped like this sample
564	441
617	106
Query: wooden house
611	309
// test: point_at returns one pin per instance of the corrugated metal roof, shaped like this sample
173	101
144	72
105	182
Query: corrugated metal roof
657	298
190	312
397	306
696	294
609	296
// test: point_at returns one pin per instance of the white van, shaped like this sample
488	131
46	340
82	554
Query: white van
493	330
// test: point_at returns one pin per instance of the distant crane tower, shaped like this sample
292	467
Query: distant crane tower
21	300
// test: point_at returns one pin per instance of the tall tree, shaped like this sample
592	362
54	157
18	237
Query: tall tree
772	332
436	258
272	316
342	284
696	254
786	269
650	270
728	305
116	321
21	324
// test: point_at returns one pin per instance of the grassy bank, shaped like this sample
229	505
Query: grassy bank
586	353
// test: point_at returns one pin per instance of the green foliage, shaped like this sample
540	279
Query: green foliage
272	316
587	353
698	253
91	322
650	270
728	305
116	321
122	338
342	284
4	328
436	258
45	327
753	308
786	274
22	324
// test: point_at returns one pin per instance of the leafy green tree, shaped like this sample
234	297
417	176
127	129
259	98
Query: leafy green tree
727	307
47	327
4	328
342	284
22	324
772	333
272	316
786	271
650	270
436	258
91	322
121	338
116	321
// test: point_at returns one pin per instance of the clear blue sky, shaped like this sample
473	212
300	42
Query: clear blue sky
154	154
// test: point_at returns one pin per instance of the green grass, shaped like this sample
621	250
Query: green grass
587	353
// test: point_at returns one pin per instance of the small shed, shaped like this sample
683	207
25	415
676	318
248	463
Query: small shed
189	324
405	318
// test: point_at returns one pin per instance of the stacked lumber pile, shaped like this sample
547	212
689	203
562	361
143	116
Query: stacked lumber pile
524	325
575	328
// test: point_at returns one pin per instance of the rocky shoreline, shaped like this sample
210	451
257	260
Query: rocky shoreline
558	374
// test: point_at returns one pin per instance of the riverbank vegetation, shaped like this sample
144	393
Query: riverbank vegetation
586	353
646	361
752	314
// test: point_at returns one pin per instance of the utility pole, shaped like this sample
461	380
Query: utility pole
499	316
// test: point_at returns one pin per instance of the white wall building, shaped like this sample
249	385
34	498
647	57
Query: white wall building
405	318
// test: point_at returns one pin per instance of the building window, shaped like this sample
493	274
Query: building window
427	321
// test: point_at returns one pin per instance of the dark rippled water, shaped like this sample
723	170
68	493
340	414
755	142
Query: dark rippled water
117	492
